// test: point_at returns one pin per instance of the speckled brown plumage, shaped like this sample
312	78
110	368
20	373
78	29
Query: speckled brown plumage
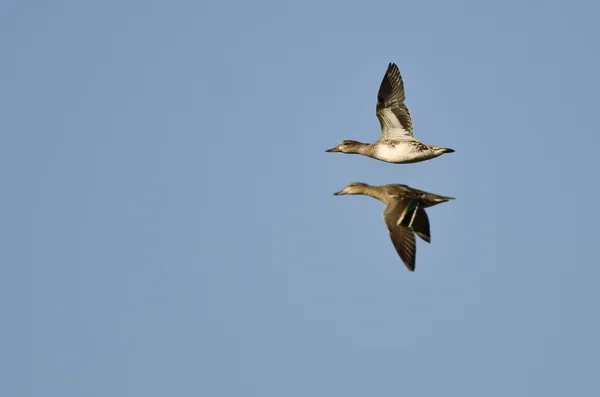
404	215
397	143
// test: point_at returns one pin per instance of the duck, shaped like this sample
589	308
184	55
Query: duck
397	144
404	215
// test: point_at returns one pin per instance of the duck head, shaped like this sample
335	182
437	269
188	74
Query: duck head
347	147
353	188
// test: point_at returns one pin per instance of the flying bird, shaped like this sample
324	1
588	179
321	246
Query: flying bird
404	216
397	143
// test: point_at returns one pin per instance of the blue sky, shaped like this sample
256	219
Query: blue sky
167	217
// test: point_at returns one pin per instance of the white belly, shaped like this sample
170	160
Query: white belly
402	152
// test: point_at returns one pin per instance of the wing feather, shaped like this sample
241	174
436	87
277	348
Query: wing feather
402	237
393	115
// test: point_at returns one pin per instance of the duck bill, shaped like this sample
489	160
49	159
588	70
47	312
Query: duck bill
341	192
335	149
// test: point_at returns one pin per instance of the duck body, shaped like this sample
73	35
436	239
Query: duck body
397	144
402	152
396	152
405	152
404	215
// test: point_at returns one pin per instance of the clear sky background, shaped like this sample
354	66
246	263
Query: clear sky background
167	220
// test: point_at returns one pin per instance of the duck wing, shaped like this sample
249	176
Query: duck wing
393	115
421	225
402	237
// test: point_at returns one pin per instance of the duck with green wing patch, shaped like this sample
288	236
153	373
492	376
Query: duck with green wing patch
404	216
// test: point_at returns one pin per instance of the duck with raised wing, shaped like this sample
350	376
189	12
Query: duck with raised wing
397	143
404	216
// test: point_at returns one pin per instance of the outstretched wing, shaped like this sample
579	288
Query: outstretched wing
393	115
402	237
